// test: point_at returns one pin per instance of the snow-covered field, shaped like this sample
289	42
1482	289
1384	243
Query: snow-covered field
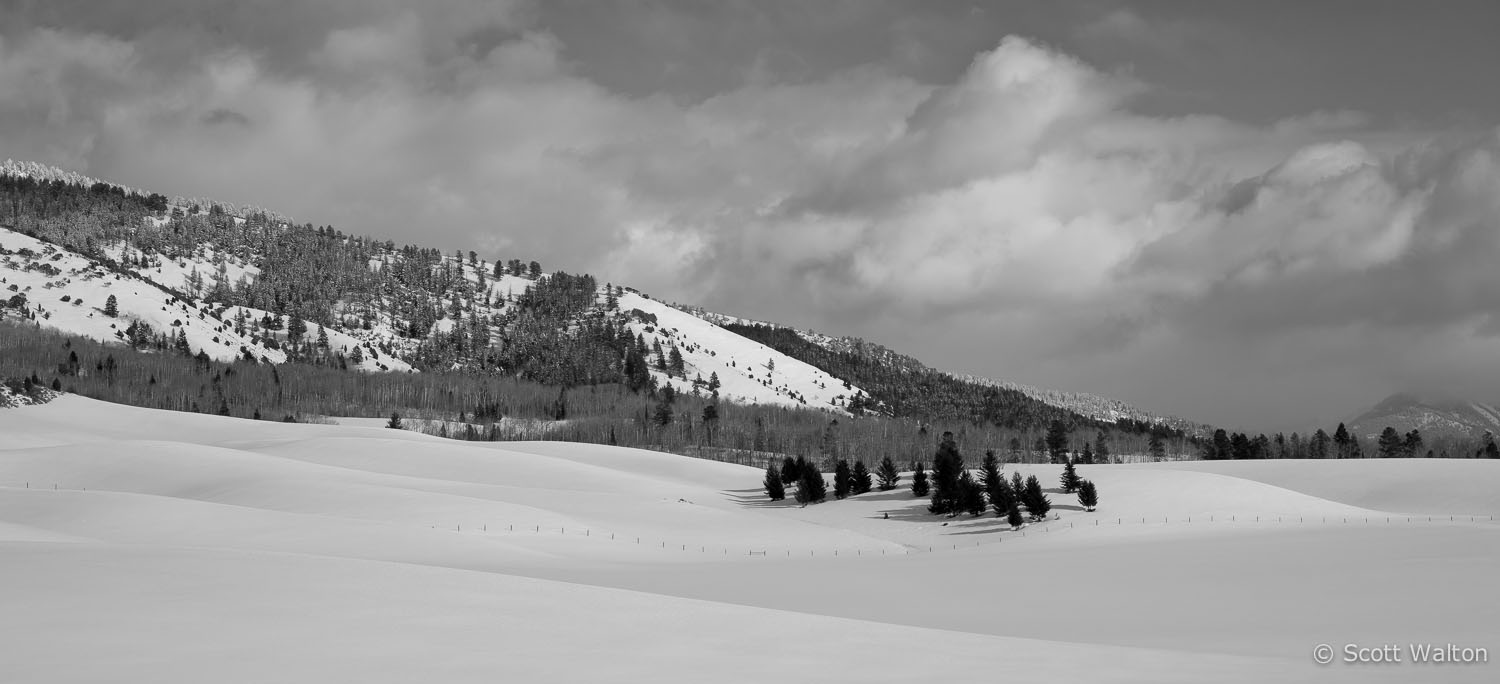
138	545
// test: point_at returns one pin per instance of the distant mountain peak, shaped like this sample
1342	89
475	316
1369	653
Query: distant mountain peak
1447	417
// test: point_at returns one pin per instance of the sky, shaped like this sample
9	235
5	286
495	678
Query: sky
1261	215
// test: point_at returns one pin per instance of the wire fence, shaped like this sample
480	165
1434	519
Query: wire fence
991	535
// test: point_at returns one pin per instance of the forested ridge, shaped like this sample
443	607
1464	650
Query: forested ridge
494	339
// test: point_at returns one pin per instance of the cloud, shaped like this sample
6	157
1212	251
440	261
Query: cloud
1021	221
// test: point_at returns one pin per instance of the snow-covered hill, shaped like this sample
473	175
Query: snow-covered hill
67	291
70	292
1089	405
1406	412
181	547
748	371
436	311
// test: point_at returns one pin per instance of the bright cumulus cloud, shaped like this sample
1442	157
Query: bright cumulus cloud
1024	220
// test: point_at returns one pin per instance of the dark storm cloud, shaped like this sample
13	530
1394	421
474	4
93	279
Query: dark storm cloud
1156	201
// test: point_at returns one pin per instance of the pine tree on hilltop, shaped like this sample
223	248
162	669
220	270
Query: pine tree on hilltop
1070	478
1088	496
1037	503
774	489
810	487
888	474
842	479
112	307
395	422
861	481
919	480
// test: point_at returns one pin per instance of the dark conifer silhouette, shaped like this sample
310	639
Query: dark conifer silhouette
774	489
1037	503
1069	478
843	480
919	480
971	495
1088	496
947	466
791	471
888	474
861	481
395	422
810	487
1013	515
1057	441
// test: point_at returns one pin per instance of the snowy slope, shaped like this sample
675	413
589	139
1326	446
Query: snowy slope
68	292
748	371
1405	412
183	547
1090	405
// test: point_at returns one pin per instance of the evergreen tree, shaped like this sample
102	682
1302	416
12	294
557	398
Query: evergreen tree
1013	516
112	307
971	495
1342	442
861	481
1037	503
994	481
1317	447
1101	448
947	465
1017	486
774	488
888	474
1390	443
1087	455
395	422
791	471
1220	449
1156	447
1070	478
1412	444
810	487
1057	441
1088	496
919	480
843	480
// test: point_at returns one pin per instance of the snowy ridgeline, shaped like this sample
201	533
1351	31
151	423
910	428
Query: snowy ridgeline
69	292
44	172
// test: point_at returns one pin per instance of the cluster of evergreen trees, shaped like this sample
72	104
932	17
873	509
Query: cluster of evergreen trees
1344	444
951	488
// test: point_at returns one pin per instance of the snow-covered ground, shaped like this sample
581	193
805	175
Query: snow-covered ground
748	371
139	545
